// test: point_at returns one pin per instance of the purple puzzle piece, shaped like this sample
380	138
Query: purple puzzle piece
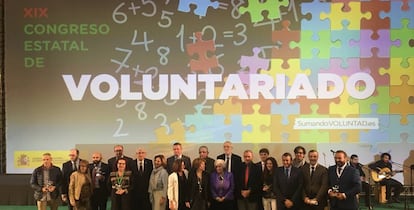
383	43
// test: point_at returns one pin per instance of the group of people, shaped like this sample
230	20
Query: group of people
229	182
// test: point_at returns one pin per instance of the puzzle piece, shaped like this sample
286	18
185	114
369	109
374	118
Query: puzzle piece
374	64
203	62
247	105
396	128
383	44
382	100
375	136
345	51
315	64
233	131
283	133
177	133
203	125
336	67
307	44
404	51
285	108
227	108
375	23
291	72
284	37
345	7
354	16
202	6
399	12
406	94
254	63
313	23
395	71
344	108
258	123
256	7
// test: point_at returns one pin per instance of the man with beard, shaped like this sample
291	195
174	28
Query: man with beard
99	173
344	184
119	153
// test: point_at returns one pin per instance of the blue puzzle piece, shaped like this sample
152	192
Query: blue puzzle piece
380	135
314	23
202	6
396	14
285	109
232	132
202	124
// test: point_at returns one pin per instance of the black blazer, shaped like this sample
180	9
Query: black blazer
349	183
66	172
317	186
113	167
142	179
105	173
210	165
170	161
236	163
254	182
288	188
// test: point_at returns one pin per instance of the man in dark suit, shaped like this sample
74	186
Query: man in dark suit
287	185
68	168
203	152
141	169
99	173
366	187
119	153
178	154
344	184
233	161
248	184
263	154
315	183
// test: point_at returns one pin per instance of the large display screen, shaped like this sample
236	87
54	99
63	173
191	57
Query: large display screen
330	74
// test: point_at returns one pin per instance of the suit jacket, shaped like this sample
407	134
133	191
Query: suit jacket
210	165
349	183
77	180
253	183
317	185
104	171
288	188
37	182
67	170
113	167
170	161
142	183
236	163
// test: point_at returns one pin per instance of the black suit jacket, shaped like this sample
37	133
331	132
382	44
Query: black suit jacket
288	188
236	163
170	161
349	183
113	167
317	185
67	170
104	171
142	183
254	182
210	165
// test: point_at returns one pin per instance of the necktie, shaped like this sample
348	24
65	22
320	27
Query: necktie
140	167
339	171
312	171
287	172
246	176
227	163
74	166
